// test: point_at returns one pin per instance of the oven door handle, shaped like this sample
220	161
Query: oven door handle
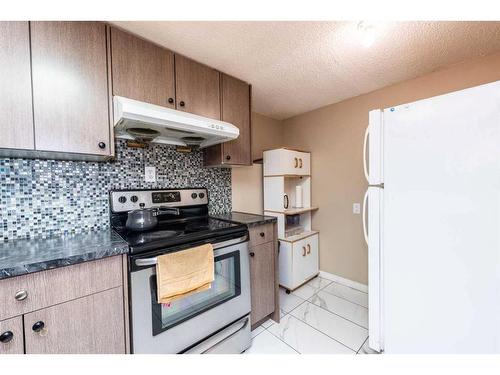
152	261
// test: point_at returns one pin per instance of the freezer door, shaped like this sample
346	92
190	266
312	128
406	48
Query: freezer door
441	238
372	214
372	149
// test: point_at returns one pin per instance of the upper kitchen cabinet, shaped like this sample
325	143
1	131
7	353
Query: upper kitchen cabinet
236	99
197	88
16	127
142	70
70	87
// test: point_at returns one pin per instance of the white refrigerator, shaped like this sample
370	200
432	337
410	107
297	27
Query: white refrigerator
431	218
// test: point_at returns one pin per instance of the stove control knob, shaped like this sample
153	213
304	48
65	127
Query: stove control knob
122	199
201	195
134	198
194	195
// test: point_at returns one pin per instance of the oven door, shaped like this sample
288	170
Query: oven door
184	323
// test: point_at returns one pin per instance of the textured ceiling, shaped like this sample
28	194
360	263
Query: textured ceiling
295	67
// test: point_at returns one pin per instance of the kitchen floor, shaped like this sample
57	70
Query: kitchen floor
320	317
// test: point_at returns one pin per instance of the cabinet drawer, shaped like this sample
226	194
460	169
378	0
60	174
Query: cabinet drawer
261	234
305	259
11	331
58	285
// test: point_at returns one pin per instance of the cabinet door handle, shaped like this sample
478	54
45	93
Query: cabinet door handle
296	162
228	157
6	337
303	251
300	161
21	295
101	145
181	103
38	326
262	234
308	249
170	100
252	254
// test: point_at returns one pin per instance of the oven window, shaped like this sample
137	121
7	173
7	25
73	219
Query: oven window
226	285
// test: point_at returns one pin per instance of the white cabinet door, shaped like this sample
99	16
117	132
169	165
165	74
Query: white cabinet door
312	257
305	259
303	161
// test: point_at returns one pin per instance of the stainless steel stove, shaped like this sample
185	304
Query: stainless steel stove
213	321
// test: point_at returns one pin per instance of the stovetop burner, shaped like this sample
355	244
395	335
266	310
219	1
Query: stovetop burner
192	224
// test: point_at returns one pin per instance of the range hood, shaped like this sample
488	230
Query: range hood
144	122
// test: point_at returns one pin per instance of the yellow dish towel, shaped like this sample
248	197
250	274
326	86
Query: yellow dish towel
184	272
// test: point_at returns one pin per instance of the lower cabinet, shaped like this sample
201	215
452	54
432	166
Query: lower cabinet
262	273
299	261
263	248
78	309
11	336
92	324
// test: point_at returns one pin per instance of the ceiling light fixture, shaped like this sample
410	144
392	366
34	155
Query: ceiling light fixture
366	33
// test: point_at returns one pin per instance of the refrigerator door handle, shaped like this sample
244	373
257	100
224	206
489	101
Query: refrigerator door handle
365	142
365	204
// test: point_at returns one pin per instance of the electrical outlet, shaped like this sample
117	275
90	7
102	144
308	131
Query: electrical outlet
356	208
150	174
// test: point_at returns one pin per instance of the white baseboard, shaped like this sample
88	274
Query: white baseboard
344	281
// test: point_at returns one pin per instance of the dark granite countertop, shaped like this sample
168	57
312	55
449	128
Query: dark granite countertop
246	218
20	257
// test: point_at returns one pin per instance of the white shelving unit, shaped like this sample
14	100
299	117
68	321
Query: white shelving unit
284	170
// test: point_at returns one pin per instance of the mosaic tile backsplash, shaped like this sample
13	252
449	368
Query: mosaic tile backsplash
43	198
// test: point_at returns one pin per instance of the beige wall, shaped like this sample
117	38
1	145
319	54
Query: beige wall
247	196
334	135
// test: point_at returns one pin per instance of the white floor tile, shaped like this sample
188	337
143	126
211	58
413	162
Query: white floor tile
351	311
332	325
266	343
289	301
268	323
312	287
305	339
305	291
347	293
257	330
319	282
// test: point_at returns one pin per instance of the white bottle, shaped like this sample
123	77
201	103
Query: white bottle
298	196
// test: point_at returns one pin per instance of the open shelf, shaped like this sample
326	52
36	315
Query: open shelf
300	236
294	211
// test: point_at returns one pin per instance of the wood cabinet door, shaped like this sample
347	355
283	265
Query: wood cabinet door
70	87
236	110
16	125
197	88
142	70
11	336
262	280
89	325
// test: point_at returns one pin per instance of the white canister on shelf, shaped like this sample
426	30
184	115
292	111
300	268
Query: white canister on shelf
298	196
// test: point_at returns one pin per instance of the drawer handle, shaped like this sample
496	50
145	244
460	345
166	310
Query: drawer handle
300	160
252	254
303	251
6	337
308	249
296	162
21	295
38	326
262	234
